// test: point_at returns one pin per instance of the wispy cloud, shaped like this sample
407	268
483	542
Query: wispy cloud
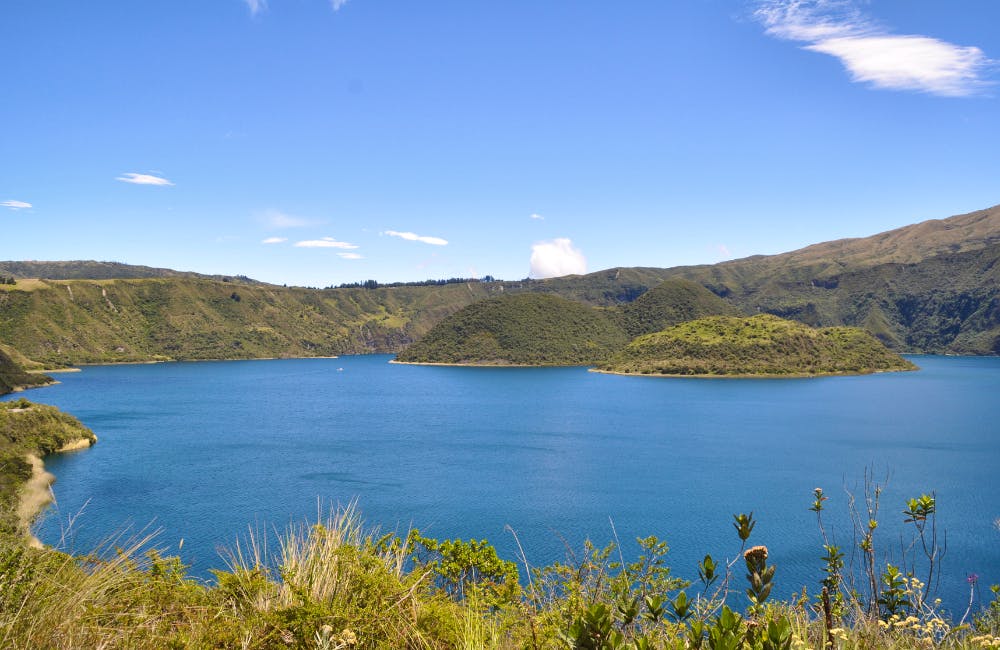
351	256
274	240
337	4
873	55
279	219
15	205
325	242
537	217
143	179
552	259
256	6
409	236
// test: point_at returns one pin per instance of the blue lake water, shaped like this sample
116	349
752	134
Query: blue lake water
205	450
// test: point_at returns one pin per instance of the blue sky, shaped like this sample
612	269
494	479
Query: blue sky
315	142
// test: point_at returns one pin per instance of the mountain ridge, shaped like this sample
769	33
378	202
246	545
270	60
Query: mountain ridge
929	287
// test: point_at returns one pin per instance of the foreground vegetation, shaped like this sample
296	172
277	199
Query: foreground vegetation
338	584
762	345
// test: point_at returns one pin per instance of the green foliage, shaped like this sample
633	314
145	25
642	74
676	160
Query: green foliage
893	598
671	302
35	429
13	376
760	345
520	329
463	567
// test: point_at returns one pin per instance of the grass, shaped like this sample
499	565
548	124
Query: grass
336	583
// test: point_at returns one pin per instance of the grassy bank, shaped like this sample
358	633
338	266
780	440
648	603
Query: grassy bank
29	432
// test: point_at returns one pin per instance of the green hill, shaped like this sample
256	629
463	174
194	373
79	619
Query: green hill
762	345
931	287
540	329
13	376
520	329
669	303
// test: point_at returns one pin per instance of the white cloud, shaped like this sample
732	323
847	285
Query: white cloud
337	4
275	240
409	236
278	219
351	256
15	205
551	259
256	6
325	242
538	217
143	179
871	54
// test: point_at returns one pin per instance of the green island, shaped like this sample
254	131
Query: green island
758	346
528	329
521	330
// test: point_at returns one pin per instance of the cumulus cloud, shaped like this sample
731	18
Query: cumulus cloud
551	259
143	179
15	205
873	55
537	217
351	256
325	242
337	4
256	6
409	236
275	240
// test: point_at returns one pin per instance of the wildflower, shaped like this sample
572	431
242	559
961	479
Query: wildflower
972	579
755	554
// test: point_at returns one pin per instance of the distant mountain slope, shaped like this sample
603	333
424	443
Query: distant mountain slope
931	287
91	270
100	321
520	329
762	345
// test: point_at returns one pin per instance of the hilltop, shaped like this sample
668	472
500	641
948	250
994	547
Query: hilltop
93	270
671	302
519	329
762	345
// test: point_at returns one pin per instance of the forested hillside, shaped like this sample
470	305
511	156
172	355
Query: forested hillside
930	287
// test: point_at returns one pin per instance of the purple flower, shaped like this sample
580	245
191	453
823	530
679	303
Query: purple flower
972	579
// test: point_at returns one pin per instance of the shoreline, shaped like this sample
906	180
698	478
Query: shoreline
484	365
799	375
36	493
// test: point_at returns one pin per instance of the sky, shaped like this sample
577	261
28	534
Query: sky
319	142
